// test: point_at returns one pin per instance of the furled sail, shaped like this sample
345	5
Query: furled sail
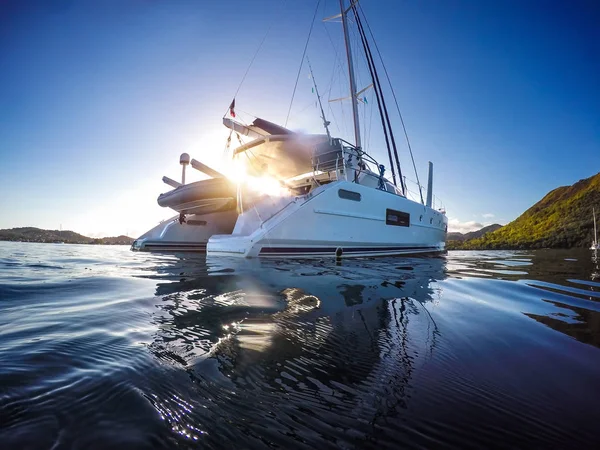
257	129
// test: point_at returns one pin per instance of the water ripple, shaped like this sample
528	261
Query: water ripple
103	347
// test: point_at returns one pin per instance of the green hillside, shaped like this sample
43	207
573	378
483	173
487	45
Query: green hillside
455	236
31	234
562	219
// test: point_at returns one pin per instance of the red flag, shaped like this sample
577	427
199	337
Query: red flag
232	108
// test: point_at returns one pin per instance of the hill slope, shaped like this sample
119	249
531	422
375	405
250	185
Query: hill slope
473	234
31	234
562	219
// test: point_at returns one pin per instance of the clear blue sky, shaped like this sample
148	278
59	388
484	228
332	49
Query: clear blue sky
99	98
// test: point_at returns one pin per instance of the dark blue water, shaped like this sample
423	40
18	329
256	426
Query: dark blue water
101	347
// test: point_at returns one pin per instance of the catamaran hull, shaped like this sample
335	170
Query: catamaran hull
190	236
340	219
301	251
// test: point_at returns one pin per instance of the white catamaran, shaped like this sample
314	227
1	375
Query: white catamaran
326	196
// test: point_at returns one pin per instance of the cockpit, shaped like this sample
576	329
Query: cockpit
302	162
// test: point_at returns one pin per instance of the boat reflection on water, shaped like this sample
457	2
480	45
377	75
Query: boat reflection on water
284	349
474	350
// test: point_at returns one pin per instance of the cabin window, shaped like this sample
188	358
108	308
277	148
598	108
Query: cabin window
397	218
349	195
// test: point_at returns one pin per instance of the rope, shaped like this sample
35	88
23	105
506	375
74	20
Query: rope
395	99
302	62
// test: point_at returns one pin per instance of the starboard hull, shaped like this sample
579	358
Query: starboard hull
341	219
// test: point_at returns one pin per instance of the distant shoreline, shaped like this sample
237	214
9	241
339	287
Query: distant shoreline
512	248
66	242
38	235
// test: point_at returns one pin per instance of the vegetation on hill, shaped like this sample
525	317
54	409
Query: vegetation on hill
31	234
473	234
562	219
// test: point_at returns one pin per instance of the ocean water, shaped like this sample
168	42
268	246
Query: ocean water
104	348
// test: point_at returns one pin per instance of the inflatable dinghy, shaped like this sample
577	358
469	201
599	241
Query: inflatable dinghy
201	197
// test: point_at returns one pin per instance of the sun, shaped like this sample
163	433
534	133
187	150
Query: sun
237	171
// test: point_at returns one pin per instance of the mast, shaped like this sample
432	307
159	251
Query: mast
353	98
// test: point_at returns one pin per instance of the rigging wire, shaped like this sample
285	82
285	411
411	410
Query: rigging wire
253	58
377	85
331	84
335	76
325	121
337	62
380	107
395	101
368	139
304	108
312	23
359	57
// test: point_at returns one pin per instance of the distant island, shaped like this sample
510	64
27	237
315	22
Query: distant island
31	234
562	219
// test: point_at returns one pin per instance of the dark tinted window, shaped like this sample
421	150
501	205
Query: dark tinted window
349	195
397	218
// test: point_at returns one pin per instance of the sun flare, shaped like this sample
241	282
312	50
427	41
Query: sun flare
265	184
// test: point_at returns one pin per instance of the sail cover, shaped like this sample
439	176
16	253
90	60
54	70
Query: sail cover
285	155
270	127
260	127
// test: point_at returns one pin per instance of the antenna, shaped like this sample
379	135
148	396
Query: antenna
325	121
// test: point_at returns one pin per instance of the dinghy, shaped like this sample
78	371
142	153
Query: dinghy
201	197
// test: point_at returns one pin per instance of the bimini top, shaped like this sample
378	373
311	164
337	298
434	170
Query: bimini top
288	155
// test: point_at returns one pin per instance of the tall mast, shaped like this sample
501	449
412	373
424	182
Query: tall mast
353	98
